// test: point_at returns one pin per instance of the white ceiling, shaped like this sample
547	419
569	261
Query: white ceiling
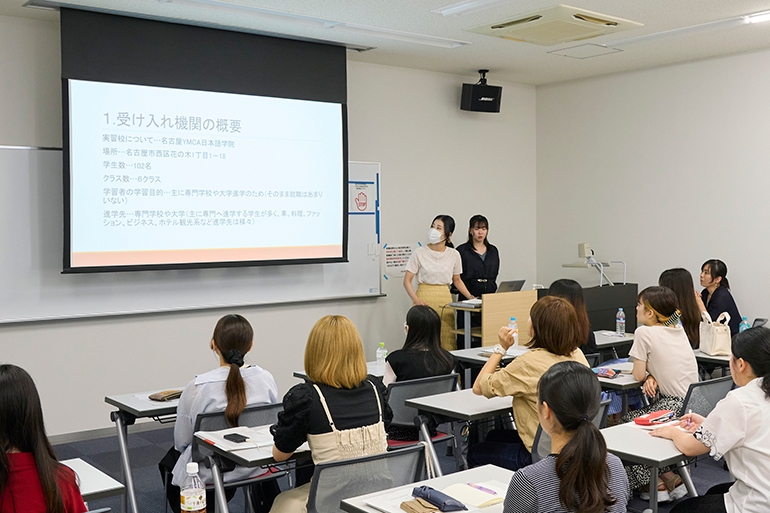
507	61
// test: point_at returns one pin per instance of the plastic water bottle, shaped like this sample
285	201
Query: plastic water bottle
513	326
620	323
381	353
744	325
192	495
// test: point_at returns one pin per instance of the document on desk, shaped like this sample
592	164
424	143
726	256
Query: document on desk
256	437
478	495
513	351
391	502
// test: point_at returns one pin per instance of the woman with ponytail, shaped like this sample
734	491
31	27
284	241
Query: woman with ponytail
31	478
665	363
737	429
229	388
579	475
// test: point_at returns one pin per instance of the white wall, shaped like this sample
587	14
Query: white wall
435	159
661	168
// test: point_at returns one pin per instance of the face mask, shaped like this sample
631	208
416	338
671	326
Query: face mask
434	236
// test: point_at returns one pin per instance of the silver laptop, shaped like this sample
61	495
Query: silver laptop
511	286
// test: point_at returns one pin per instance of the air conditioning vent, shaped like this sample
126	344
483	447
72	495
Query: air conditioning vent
555	25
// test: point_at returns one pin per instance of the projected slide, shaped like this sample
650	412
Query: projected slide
169	176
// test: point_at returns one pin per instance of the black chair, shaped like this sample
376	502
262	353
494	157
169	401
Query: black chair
593	359
251	416
404	416
541	447
338	480
703	396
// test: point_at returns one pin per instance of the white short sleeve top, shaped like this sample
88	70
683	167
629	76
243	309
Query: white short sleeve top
737	429
669	357
435	267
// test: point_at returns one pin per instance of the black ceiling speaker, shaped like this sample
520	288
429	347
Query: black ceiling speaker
480	97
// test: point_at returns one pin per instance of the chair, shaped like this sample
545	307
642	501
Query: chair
593	359
404	416
759	321
703	396
251	416
337	480
541	447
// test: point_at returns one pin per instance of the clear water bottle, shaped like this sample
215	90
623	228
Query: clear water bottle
620	323
744	325
381	353
512	325
192	495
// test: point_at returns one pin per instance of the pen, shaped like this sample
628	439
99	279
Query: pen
479	487
689	419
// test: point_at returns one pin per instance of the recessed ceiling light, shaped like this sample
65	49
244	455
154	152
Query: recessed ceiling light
468	7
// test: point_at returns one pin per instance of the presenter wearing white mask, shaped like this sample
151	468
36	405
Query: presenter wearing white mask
436	266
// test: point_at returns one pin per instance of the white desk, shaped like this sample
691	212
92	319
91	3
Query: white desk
251	458
474	475
608	340
702	357
131	407
634	444
463	405
621	383
373	368
94	484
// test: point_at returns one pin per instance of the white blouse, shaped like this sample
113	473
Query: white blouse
435	267
737	428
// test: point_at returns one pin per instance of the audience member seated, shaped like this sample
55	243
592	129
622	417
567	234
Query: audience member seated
716	297
573	292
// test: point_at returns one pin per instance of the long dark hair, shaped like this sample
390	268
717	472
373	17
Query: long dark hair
753	345
717	269
477	220
425	335
573	292
582	463
22	428
233	336
555	326
449	227
680	281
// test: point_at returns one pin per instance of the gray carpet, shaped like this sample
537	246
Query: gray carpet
148	447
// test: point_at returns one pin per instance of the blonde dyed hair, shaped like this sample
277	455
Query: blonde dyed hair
334	355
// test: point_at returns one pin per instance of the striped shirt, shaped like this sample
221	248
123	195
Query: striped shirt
535	489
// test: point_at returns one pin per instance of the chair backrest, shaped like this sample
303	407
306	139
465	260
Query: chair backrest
251	416
759	321
593	359
703	396
400	391
541	447
337	480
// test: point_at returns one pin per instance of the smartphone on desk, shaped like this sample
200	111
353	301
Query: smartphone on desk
235	438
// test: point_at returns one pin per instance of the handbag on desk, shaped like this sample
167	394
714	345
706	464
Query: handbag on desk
715	336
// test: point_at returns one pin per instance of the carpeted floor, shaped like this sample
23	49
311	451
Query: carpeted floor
148	447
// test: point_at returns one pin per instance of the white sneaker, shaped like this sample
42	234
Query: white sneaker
678	492
663	495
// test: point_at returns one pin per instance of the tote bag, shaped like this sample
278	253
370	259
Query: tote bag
715	336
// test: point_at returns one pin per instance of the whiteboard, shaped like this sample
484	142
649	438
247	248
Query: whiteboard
32	287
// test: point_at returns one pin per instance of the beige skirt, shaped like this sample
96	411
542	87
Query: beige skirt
437	297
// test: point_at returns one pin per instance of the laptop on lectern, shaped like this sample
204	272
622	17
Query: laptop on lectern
511	286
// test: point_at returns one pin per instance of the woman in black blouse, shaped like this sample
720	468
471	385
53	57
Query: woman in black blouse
716	297
481	264
481	261
340	398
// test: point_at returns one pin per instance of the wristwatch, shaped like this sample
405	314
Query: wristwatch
499	350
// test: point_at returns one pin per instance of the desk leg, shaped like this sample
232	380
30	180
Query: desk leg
624	402
654	489
686	479
425	435
122	423
220	501
467	317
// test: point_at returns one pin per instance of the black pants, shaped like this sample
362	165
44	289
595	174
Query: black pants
712	502
263	494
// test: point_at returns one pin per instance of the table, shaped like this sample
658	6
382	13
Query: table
374	368
251	458
701	357
474	475
609	340
467	330
94	484
463	405
634	444
474	357
131	407
622	383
